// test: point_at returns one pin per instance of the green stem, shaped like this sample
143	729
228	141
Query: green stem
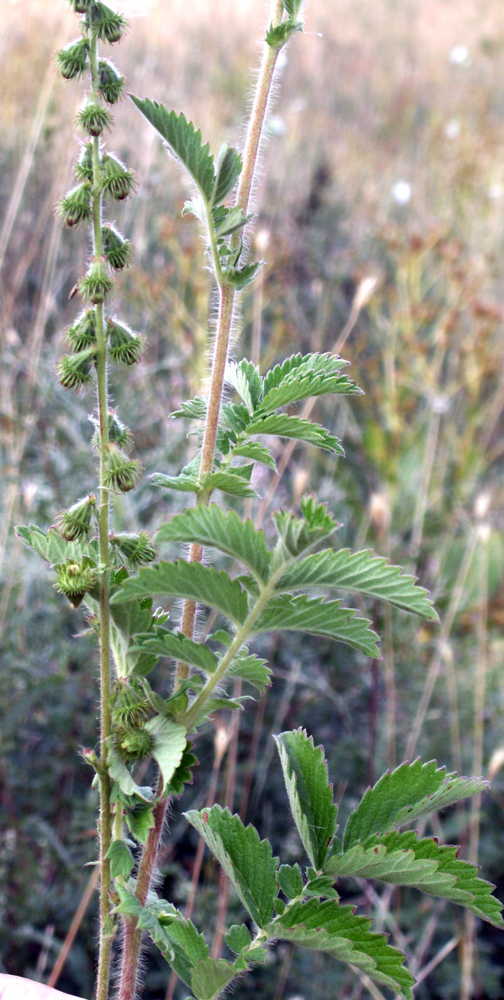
105	821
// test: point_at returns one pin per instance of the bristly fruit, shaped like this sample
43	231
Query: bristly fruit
74	524
82	333
117	249
116	180
76	206
74	370
111	83
125	346
84	167
122	473
96	284
118	433
130	706
133	745
136	547
93	118
73	59
104	23
74	579
81	6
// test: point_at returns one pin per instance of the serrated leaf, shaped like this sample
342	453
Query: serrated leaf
34	537
183	774
192	581
177	938
236	416
120	773
225	531
229	482
178	647
294	390
246	380
210	976
310	794
228	170
237	938
169	744
298	366
363	573
191	409
295	427
231	222
321	885
245	858
121	859
327	926
290	880
402	796
240	277
318	617
404	859
183	141
251	669
298	534
139	820
182	483
257	452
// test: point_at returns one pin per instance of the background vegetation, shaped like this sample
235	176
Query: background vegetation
385	162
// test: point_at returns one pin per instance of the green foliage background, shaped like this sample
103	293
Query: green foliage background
374	101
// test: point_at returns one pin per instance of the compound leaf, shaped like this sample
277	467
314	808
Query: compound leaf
183	141
245	858
310	794
294	390
404	859
225	531
251	669
402	795
297	428
318	617
327	926
178	647
363	573
192	581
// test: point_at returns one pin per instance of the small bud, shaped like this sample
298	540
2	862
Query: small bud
130	707
110	82
125	347
105	23
116	248
74	370
93	118
82	333
116	179
74	524
76	206
122	473
118	433
73	59
133	744
136	547
84	166
73	580
96	284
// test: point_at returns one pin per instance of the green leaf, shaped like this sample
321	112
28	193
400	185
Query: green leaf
192	581
182	482
183	774
233	219
361	572
225	531
237	938
229	167
321	885
177	938
245	858
327	926
297	428
401	796
178	647
229	482
290	880
121	859
310	794
139	820
210	976
318	617
120	773
299	366
240	277
169	744
245	378
294	390
191	409
278	34
251	669
236	416
404	859
298	534
183	141
257	452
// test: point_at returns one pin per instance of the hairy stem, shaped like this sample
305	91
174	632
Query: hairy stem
105	821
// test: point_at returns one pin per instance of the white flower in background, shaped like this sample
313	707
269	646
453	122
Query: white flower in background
452	129
401	192
459	56
495	191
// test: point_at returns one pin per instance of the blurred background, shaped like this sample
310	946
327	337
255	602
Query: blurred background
380	215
